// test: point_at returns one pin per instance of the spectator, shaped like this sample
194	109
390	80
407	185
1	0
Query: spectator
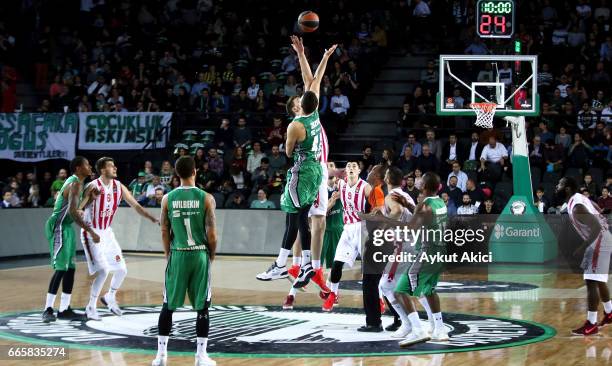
541	202
45	187
553	156
605	201
435	147
277	160
224	136
450	204
454	192
241	103
388	158
563	138
197	88
291	87
262	201
366	158
239	160
262	175
536	153
467	208
155	201
586	117
278	101
579	153
236	173
242	134
260	104
452	153
152	187
476	194
606	114
206	179
418	179
277	134
340	106
253	88
427	162
407	162
413	144
590	185
237	202
215	162
476	47
488	208
254	159
203	102
137	187
462	178
411	188
271	86
166	172
492	159
7	199
59	181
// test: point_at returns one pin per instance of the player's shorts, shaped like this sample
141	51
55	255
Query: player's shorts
62	244
105	255
596	260
421	278
187	272
319	207
330	243
349	245
302	186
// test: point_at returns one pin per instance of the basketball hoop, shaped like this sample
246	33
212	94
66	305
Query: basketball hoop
484	114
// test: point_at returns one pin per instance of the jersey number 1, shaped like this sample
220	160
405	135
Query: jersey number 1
190	240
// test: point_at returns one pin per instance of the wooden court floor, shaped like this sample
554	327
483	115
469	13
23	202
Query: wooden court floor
558	302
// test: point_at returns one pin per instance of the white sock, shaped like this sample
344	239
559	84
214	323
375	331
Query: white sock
608	306
305	257
399	310
592	317
297	260
316	264
292	291
414	320
202	342
50	301
283	254
162	345
438	322
334	287
425	305
64	301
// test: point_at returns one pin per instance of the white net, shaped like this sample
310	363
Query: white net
484	114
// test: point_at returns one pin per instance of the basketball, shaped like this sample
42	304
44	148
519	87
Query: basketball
308	21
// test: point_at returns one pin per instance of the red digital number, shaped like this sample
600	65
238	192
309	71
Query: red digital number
485	24
500	24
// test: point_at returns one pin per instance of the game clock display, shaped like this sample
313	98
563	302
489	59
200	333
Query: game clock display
495	19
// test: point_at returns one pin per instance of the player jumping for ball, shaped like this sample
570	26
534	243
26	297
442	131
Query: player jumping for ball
62	242
188	214
597	247
100	201
305	145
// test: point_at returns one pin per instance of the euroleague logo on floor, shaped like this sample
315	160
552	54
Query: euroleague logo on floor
267	331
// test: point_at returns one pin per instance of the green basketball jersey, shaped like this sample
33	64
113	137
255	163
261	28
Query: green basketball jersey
334	219
60	209
312	145
186	213
439	220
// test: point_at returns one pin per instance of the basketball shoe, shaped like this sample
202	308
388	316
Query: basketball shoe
294	271
160	360
48	316
328	305
204	360
273	272
306	273
402	331
110	302
607	319
416	336
92	313
288	304
69	314
587	329
439	334
319	280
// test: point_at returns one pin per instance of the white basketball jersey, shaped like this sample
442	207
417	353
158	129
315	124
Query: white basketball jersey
583	230
101	211
324	147
353	200
406	215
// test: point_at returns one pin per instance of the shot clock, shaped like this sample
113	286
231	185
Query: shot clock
495	18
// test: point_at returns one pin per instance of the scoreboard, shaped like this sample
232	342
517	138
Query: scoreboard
495	18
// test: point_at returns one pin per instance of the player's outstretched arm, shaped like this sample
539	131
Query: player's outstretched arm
129	198
73	197
315	86
165	226
210	223
298	47
584	216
